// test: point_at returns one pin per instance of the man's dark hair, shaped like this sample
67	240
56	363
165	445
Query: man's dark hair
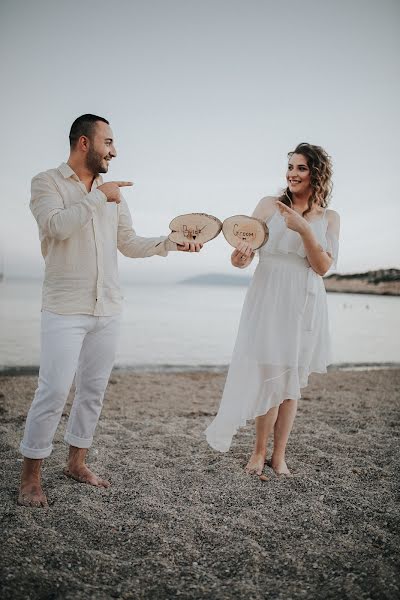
84	125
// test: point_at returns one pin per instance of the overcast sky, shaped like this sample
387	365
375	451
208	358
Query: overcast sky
205	99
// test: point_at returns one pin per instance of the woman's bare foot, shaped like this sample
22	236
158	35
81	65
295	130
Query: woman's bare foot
279	466
83	474
256	463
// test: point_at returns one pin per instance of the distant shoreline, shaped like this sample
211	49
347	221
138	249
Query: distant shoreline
368	290
367	283
383	282
163	368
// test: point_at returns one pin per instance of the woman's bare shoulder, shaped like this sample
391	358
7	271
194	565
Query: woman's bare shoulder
265	208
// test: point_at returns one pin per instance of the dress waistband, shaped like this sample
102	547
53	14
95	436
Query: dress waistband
287	259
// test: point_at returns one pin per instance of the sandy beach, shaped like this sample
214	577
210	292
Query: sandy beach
182	521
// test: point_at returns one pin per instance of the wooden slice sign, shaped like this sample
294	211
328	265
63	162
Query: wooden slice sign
197	228
248	229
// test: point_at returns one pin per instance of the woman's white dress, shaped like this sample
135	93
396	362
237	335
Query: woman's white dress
283	332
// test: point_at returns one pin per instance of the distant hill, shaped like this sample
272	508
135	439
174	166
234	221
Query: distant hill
382	281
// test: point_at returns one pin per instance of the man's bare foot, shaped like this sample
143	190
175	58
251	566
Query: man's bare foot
31	493
279	466
256	463
83	474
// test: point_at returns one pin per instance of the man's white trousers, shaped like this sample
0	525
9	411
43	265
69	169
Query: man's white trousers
71	345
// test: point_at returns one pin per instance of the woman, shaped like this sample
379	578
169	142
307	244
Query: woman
283	333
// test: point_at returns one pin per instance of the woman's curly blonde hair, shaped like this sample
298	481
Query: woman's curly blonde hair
320	164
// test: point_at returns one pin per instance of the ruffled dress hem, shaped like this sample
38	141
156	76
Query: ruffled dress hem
222	441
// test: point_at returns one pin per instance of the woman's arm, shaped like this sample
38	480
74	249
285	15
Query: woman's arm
243	254
332	235
319	259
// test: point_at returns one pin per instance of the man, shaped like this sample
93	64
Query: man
82	222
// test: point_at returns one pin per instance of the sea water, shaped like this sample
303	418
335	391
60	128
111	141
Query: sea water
180	325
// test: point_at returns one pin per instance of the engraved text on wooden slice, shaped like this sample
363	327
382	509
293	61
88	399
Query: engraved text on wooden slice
197	228
247	229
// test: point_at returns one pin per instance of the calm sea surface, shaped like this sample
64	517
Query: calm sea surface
190	325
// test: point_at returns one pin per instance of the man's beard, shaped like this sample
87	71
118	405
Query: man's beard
94	162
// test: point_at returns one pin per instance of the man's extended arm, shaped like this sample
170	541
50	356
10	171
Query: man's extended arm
133	245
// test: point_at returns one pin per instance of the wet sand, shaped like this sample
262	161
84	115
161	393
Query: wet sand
183	521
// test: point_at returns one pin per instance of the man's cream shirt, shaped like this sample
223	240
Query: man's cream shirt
80	233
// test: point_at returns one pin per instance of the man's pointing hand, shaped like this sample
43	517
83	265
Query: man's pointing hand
111	190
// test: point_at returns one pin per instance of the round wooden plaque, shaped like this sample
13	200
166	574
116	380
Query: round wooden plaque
197	228
248	229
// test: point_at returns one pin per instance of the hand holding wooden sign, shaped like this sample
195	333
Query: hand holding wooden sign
245	234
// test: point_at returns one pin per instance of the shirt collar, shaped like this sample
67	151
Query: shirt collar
67	172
